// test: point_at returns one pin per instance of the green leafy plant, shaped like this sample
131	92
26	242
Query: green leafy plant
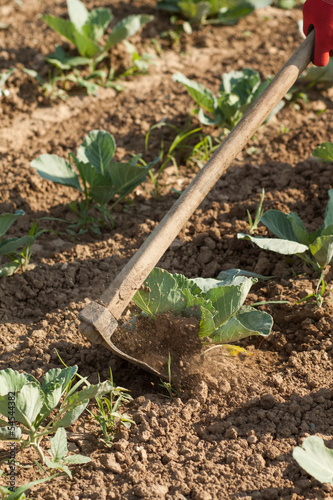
202	150
19	493
9	247
315	248
218	304
59	454
208	11
49	87
179	143
34	405
316	459
99	178
86	29
108	415
139	62
324	151
68	71
218	11
238	90
178	29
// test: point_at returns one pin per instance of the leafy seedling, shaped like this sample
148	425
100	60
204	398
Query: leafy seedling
208	11
217	304
202	151
59	454
9	247
139	62
238	90
19	493
315	249
179	28
316	459
254	223
49	87
22	259
99	178
178	144
86	30
34	405
108	415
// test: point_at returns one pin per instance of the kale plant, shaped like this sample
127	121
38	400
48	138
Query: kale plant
218	304
218	11
86	29
208	11
99	178
315	248
34	406
238	90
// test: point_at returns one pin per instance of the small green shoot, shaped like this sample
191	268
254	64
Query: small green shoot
172	392
254	224
49	87
109	416
203	150
179	143
178	30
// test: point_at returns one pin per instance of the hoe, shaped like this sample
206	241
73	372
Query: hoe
99	319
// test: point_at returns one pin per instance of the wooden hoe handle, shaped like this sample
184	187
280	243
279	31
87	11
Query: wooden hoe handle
128	281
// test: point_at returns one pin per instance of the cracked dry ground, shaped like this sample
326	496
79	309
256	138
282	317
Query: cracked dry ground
231	434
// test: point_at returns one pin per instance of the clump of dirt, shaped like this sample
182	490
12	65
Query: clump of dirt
152	340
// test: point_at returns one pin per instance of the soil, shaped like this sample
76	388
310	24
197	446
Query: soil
152	340
231	433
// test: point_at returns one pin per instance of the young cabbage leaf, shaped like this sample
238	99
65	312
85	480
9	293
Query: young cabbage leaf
209	11
85	29
217	304
31	403
238	90
316	459
97	177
